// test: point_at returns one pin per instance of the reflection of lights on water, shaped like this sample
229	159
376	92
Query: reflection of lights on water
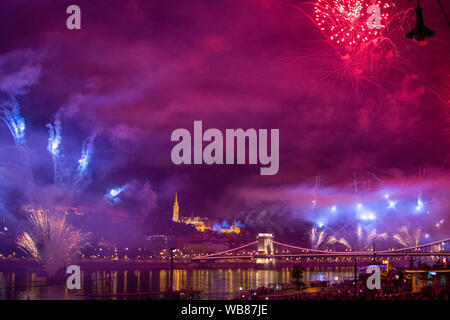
321	277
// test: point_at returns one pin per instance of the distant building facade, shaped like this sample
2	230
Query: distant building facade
199	223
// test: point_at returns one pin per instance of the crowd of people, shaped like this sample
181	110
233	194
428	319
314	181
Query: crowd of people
395	285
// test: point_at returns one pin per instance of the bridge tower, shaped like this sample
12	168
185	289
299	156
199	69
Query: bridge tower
265	244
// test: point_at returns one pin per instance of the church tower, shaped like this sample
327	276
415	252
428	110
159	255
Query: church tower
176	210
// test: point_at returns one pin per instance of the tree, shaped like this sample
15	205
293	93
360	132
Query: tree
297	274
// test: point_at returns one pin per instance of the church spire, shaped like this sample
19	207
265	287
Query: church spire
176	210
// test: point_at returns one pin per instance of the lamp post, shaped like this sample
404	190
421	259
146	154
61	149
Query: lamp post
374	254
420	33
355	280
171	272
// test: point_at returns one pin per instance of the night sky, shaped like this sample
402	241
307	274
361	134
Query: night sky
139	69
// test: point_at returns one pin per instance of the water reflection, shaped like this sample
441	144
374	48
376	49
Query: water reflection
214	284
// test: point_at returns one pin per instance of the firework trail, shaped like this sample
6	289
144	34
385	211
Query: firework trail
363	49
315	191
112	195
86	155
364	182
10	115
27	244
366	240
349	23
334	240
318	239
54	143
54	147
51	241
408	238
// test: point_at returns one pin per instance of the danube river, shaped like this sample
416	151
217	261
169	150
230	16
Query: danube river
214	284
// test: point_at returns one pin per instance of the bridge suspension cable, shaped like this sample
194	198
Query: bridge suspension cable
356	252
324	251
300	248
226	251
417	247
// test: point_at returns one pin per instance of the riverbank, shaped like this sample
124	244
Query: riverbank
26	265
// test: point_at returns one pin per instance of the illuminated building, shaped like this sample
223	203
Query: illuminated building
192	246
158	242
420	279
233	229
199	223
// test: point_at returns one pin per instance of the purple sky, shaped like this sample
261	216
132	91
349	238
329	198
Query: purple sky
139	69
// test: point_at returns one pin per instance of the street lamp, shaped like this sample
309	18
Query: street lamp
420	33
374	253
172	250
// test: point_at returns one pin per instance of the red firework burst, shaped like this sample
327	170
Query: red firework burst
348	23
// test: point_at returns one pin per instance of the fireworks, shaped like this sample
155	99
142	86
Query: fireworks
27	244
334	240
86	155
54	140
407	238
54	147
51	240
113	194
362	36
366	239
351	22
318	239
54	143
10	114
